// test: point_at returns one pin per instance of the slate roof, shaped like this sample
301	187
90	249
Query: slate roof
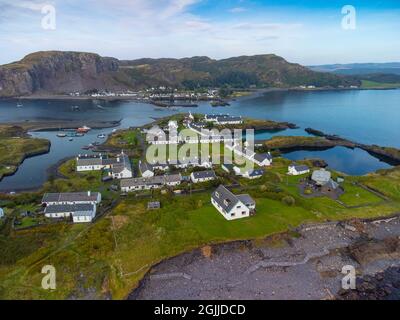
144	166
204	174
225	199
256	173
246	199
156	180
62	208
300	168
70	197
261	157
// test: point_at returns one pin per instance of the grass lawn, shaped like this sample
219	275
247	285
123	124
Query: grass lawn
14	150
367	84
114	253
357	196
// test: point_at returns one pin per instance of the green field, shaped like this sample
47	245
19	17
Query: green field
114	253
367	84
15	147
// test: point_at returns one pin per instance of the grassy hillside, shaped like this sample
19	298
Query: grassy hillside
59	72
110	256
15	147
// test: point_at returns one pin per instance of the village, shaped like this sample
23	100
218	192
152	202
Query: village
187	174
148	193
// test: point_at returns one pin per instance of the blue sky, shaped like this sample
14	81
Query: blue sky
307	32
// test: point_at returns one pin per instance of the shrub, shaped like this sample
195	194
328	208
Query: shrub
289	200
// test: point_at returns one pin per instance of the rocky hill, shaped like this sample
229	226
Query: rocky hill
58	72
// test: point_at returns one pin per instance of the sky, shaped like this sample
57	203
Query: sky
307	32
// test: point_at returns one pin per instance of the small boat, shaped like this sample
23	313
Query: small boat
83	129
70	139
19	105
75	108
79	134
61	135
101	136
114	131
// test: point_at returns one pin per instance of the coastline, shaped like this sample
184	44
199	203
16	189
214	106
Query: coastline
58	125
134	99
25	157
303	263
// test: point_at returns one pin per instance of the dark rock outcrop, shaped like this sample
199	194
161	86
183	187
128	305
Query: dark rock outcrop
58	72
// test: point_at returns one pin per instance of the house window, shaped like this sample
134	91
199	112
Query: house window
232	214
244	213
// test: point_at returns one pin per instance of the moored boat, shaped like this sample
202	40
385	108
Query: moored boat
83	129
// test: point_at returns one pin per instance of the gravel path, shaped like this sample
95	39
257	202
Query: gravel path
305	267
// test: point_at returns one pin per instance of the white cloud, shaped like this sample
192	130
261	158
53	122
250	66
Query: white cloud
237	10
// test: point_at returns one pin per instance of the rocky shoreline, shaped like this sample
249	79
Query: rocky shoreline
62	125
305	263
386	154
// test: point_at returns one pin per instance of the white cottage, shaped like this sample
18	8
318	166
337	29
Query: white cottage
297	170
232	207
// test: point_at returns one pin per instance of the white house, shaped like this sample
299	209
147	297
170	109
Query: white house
120	167
223	119
203	176
1	213
146	170
79	212
263	159
156	182
81	206
254	174
297	170
232	207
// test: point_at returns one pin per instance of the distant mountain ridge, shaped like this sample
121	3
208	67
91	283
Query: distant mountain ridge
359	68
62	72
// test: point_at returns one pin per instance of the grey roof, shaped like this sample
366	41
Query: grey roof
246	199
332	184
215	116
62	208
256	173
261	157
144	166
122	164
119	163
154	205
228	119
300	168
204	174
70	197
172	178
226	199
156	180
89	161
228	166
321	176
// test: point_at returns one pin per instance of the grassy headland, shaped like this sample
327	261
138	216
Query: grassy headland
16	146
